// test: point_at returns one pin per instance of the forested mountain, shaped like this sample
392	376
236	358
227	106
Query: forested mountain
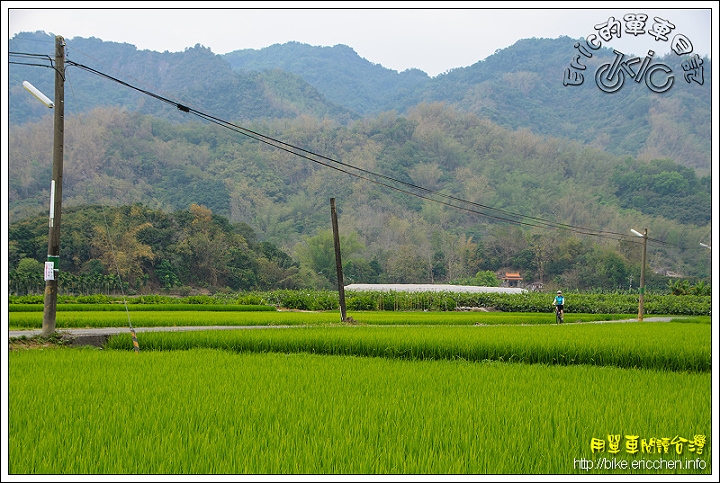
196	77
339	73
517	87
459	194
493	167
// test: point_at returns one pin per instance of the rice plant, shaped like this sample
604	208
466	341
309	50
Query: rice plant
188	315
208	411
666	346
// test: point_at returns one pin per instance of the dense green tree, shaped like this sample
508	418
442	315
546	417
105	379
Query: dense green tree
166	275
27	278
406	265
483	278
359	270
318	253
663	187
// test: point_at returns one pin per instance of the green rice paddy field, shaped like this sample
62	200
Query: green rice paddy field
373	398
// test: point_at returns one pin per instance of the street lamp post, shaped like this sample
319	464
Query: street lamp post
641	304
52	264
51	286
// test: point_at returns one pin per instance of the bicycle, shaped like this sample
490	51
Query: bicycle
558	316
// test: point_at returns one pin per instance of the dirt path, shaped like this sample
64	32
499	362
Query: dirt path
98	337
645	319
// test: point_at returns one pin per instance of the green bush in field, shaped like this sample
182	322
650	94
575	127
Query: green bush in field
527	302
431	301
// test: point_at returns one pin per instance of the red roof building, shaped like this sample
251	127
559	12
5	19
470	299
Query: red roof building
512	279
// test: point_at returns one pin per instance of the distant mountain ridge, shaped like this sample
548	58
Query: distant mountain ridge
338	72
195	77
519	87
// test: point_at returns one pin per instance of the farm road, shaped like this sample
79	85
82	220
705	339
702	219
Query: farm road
99	336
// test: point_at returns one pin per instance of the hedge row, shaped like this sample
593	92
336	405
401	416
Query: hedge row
426	301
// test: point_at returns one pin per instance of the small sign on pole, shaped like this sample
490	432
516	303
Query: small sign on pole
49	271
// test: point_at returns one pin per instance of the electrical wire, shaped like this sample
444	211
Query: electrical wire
301	152
33	56
427	194
376	178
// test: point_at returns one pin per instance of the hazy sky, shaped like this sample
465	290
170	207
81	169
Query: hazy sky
434	38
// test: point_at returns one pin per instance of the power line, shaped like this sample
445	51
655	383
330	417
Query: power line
34	56
367	175
376	178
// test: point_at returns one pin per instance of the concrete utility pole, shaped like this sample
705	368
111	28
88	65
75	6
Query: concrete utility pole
641	304
52	266
338	262
641	310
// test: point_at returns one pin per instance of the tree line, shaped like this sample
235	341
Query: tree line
133	249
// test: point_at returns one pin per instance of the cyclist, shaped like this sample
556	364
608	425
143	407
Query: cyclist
559	304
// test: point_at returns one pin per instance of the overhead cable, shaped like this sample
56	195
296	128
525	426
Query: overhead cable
361	173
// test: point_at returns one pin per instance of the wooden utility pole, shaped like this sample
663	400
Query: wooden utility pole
52	266
338	262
